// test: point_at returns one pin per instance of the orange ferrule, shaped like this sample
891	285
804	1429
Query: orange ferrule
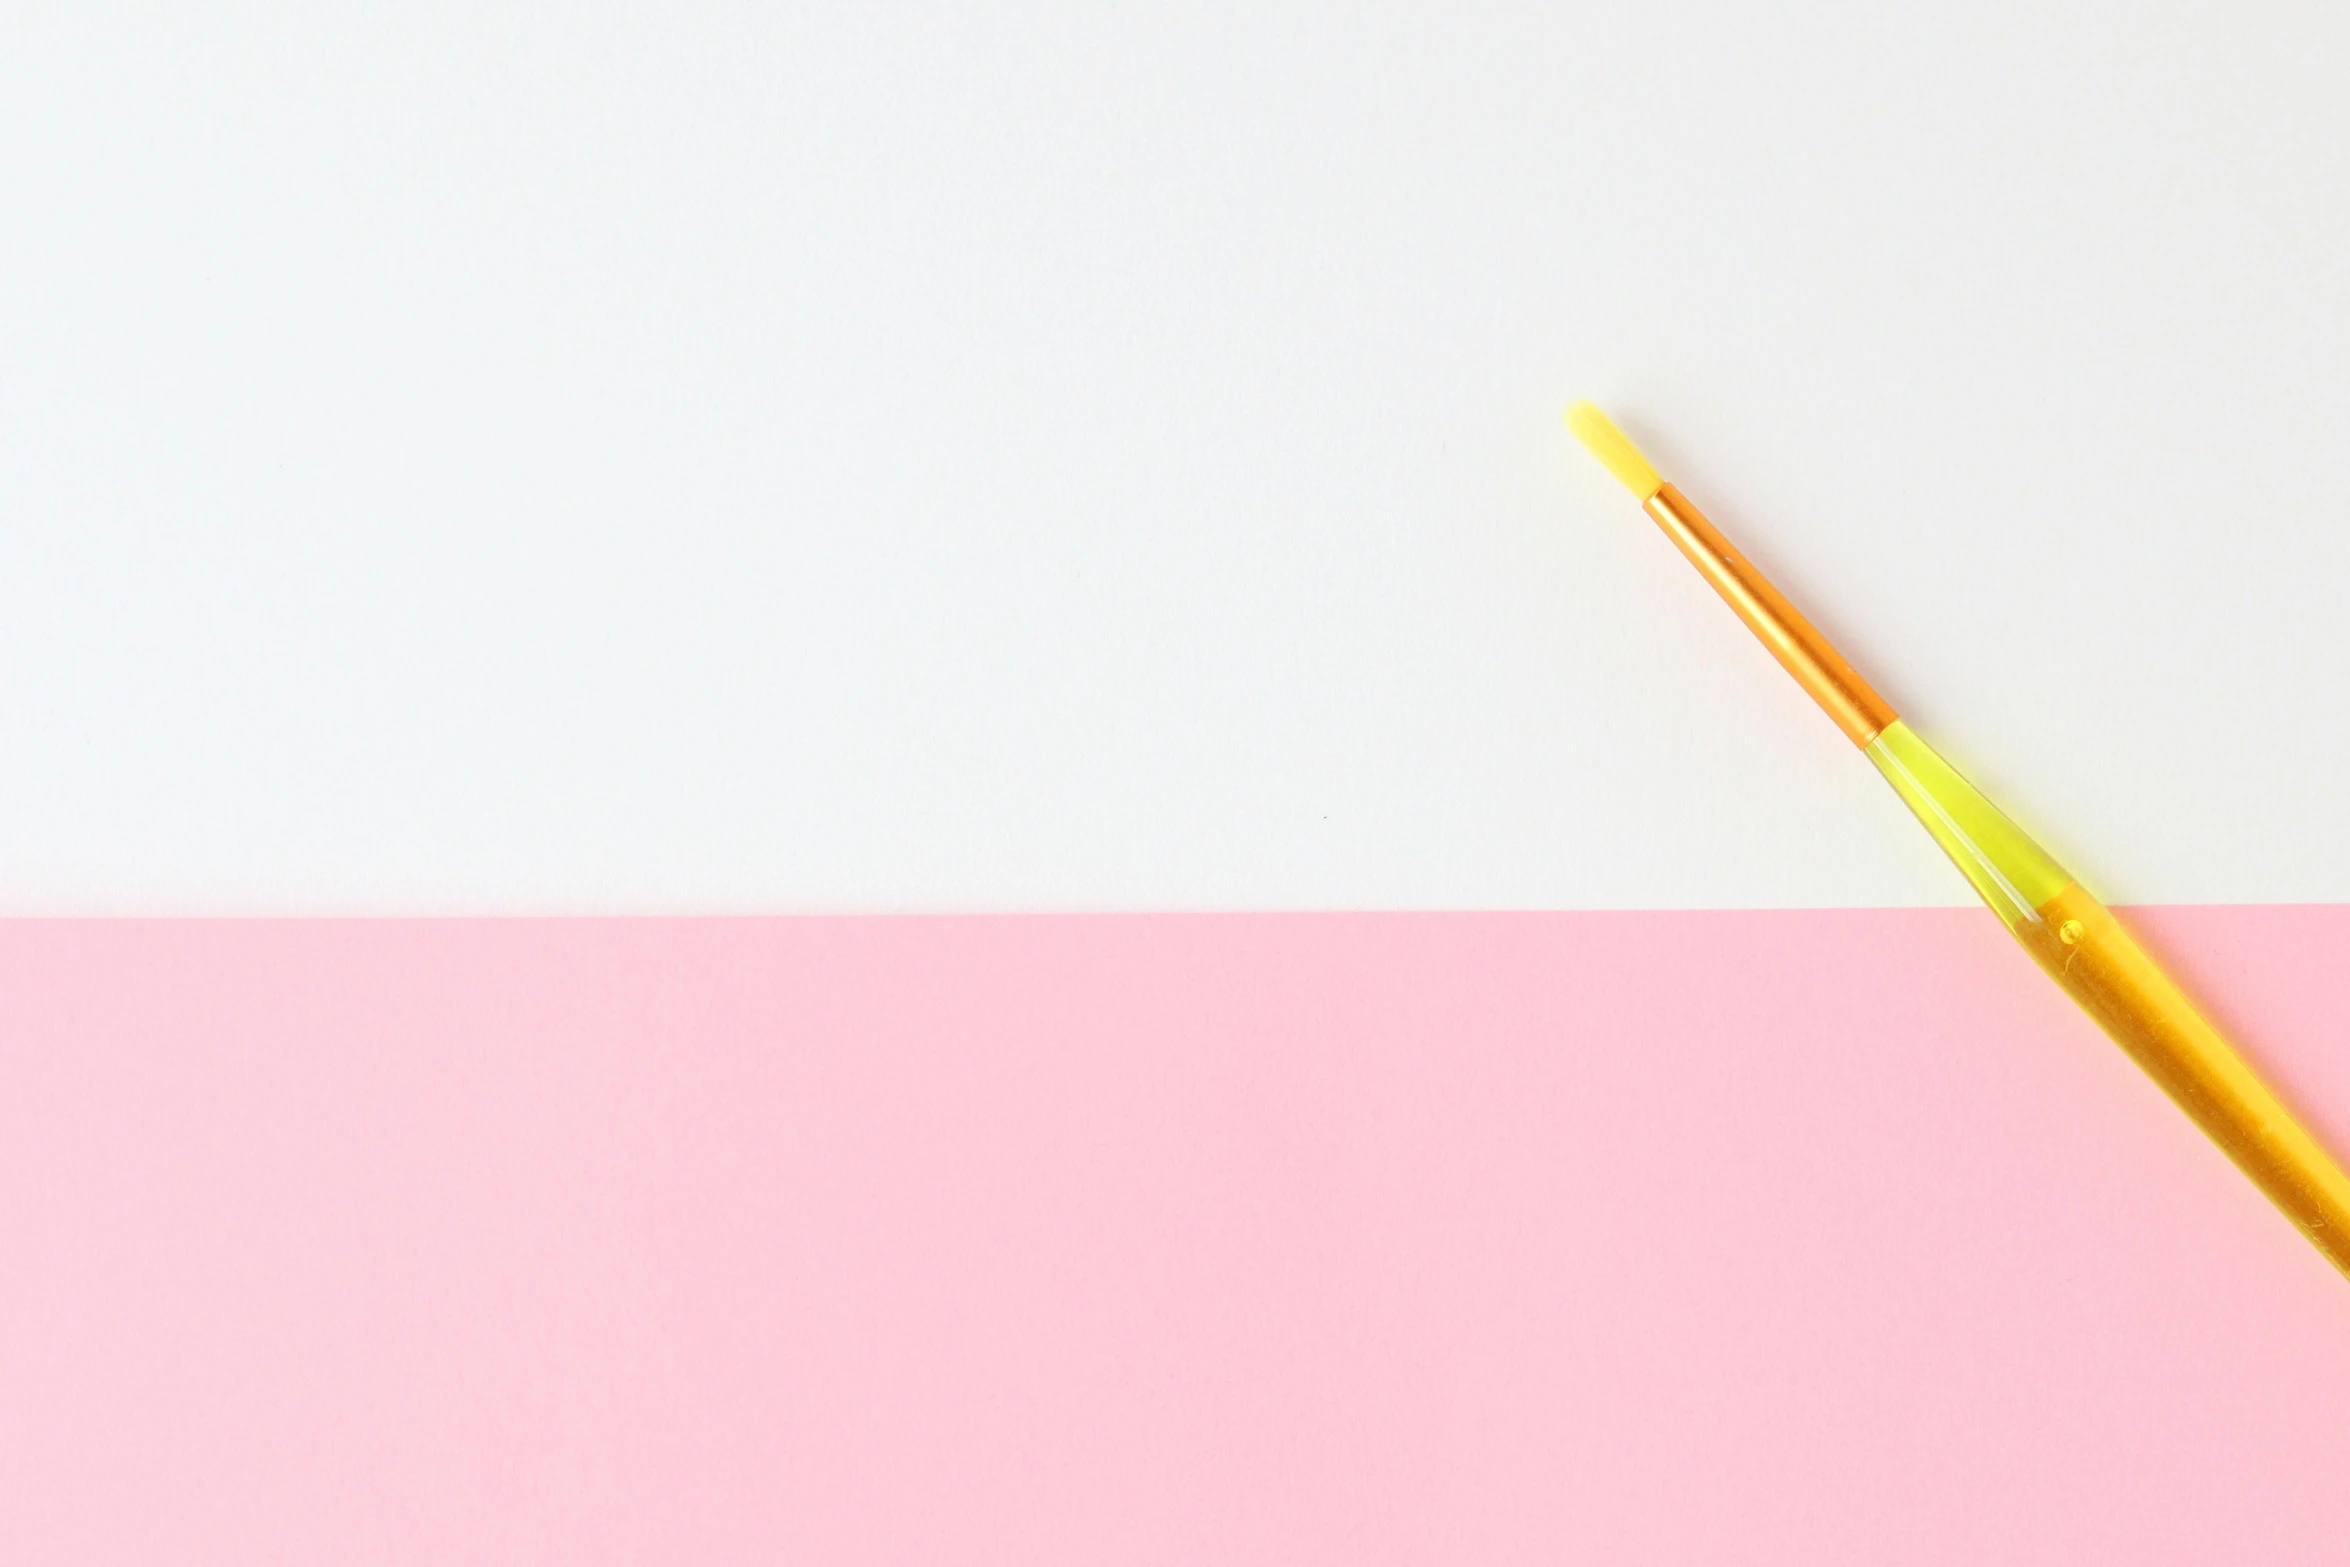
1794	641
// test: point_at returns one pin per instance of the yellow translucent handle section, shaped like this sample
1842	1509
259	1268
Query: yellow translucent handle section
2084	948
2011	871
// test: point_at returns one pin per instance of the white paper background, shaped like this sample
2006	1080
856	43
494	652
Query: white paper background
472	458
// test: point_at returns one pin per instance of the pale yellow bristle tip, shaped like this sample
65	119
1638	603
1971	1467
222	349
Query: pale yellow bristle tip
1599	434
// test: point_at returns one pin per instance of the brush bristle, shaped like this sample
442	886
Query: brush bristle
1599	435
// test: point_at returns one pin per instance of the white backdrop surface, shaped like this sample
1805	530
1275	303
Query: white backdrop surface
693	457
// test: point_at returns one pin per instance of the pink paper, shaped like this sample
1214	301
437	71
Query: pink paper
1756	1237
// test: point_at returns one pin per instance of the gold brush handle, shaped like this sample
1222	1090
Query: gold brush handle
2086	950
